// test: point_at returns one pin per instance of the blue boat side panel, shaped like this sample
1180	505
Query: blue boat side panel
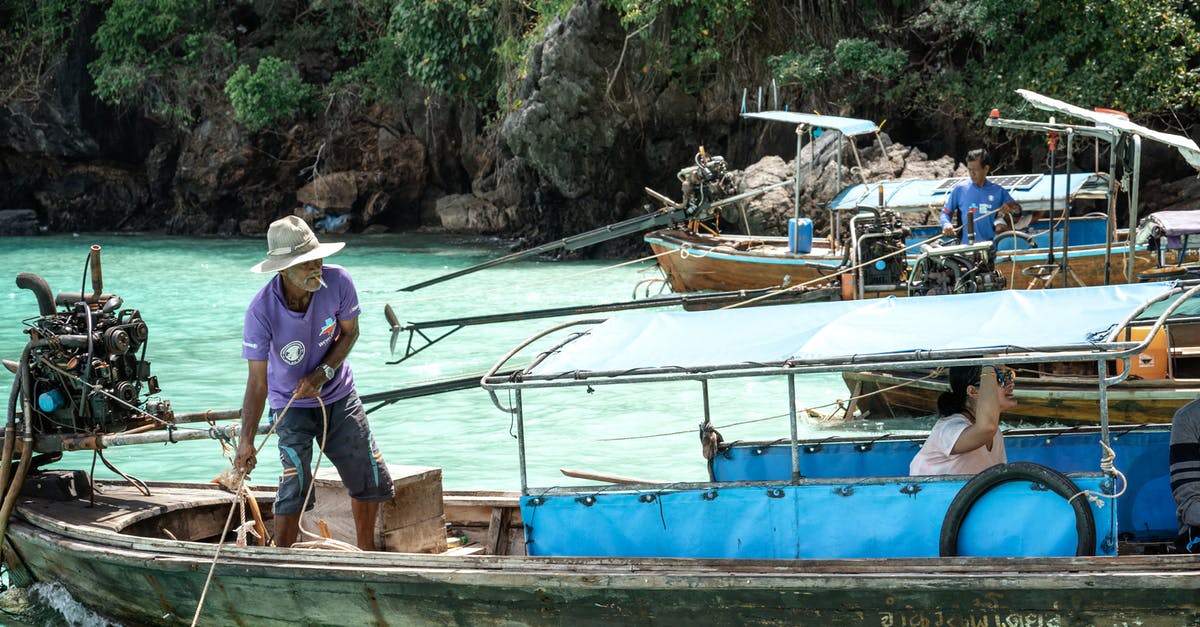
1147	510
1021	521
898	517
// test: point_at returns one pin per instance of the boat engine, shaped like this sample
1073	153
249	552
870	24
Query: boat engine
84	369
879	235
704	183
957	269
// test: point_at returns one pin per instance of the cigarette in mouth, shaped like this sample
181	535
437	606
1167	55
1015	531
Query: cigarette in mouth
322	282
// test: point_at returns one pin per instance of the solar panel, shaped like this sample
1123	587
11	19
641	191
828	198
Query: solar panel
1010	182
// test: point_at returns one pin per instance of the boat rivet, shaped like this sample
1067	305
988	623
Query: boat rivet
864	447
535	501
646	498
1107	486
844	490
910	489
816	448
758	451
775	493
587	501
710	495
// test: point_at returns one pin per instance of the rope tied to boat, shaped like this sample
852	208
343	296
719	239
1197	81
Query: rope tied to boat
1107	467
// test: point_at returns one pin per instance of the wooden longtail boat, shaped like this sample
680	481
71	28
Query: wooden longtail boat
1161	379
835	534
875	256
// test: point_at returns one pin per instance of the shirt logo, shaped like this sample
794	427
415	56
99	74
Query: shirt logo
292	353
328	328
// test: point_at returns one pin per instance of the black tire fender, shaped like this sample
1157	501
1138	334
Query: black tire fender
982	483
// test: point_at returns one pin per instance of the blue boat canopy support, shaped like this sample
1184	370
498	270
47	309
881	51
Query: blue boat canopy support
883	334
808	122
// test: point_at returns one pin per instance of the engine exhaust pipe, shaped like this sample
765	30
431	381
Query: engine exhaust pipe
97	275
40	289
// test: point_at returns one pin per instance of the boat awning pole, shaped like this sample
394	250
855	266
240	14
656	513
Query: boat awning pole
1133	206
838	186
1066	264
1102	369
796	187
519	407
1111	210
795	437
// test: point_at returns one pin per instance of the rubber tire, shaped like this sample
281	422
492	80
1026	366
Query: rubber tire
982	483
1014	235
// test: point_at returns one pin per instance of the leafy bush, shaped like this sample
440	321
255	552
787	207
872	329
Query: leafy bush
272	93
32	35
447	45
1137	55
868	59
699	34
805	68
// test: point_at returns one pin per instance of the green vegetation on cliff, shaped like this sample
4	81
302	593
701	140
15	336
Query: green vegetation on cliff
272	60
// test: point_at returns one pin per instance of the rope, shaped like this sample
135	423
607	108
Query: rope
798	286
841	403
321	542
510	287
238	494
1107	467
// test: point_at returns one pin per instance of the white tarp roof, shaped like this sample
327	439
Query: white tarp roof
845	126
774	334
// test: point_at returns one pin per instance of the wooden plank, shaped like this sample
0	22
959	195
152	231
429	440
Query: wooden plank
592	475
497	543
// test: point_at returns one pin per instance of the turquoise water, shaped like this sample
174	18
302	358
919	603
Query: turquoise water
192	294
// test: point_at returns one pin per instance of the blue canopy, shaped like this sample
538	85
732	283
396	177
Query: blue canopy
1031	190
832	330
845	126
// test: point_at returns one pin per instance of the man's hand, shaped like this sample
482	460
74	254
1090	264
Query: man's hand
245	460
310	385
948	230
1009	207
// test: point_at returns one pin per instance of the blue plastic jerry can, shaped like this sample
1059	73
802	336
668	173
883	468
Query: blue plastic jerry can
800	235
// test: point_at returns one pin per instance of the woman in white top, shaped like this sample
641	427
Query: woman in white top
966	438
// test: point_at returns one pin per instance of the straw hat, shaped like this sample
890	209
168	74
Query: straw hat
289	242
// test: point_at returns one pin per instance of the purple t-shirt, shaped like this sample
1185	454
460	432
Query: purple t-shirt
987	200
293	344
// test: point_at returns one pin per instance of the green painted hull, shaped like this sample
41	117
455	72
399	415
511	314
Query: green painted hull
143	580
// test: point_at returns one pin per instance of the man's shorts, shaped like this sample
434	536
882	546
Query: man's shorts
348	444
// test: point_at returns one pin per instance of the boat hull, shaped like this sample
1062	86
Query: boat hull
694	263
157	581
1130	402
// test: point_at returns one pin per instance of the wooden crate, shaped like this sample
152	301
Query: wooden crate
412	522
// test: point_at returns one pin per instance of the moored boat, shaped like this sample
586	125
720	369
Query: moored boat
1065	537
1161	379
874	255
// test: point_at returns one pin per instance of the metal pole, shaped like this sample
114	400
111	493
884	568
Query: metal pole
1102	368
838	187
1111	228
704	394
796	178
1133	207
1067	213
520	409
795	437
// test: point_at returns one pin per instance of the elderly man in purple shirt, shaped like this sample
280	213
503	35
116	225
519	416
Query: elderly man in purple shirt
299	329
988	201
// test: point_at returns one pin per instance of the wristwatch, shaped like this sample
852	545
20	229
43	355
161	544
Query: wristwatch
328	370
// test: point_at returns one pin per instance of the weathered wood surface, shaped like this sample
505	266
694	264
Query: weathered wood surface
412	522
159	581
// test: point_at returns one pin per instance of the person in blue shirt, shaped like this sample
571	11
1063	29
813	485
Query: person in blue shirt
991	202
